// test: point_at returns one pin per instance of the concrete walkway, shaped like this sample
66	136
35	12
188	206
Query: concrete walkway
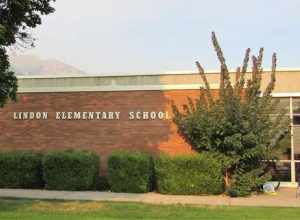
284	198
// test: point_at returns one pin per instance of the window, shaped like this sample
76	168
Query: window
283	172
296	105
296	119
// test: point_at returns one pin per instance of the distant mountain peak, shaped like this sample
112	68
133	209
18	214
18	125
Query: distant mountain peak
33	65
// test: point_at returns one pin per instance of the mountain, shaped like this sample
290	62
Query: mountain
33	65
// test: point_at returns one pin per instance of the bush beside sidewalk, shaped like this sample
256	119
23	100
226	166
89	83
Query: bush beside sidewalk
128	172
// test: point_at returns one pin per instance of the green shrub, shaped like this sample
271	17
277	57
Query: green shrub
245	184
130	172
70	170
189	174
20	169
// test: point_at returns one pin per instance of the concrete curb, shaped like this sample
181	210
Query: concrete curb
285	198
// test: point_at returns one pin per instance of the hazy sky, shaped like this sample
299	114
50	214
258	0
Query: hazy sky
140	36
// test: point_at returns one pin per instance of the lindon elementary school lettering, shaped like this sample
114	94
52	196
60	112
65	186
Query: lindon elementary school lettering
139	115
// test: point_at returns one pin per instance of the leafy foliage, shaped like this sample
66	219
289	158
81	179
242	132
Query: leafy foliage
189	175
17	18
20	169
242	125
130	172
70	170
8	81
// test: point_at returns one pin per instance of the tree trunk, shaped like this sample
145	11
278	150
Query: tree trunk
227	179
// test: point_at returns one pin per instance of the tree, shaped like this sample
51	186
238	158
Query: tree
17	18
242	125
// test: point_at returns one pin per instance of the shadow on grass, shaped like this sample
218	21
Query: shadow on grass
9	204
15	204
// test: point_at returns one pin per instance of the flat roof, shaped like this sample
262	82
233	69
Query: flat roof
177	72
288	81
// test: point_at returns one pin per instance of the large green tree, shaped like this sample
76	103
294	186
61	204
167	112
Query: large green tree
17	19
243	125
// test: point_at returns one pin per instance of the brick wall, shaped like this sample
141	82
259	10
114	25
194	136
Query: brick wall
101	136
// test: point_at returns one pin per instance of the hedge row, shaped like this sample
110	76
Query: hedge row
70	170
130	172
189	175
61	170
133	172
20	169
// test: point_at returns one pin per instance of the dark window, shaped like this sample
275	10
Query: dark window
298	172
296	119
282	172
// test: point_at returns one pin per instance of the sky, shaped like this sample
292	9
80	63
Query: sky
155	36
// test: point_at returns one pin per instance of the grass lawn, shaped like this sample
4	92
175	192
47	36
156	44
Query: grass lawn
20	209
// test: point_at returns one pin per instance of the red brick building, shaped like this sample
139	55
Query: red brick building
105	113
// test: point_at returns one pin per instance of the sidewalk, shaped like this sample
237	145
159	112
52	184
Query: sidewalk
285	198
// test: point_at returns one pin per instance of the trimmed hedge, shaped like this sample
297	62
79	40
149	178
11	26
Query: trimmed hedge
20	169
189	175
71	170
130	172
